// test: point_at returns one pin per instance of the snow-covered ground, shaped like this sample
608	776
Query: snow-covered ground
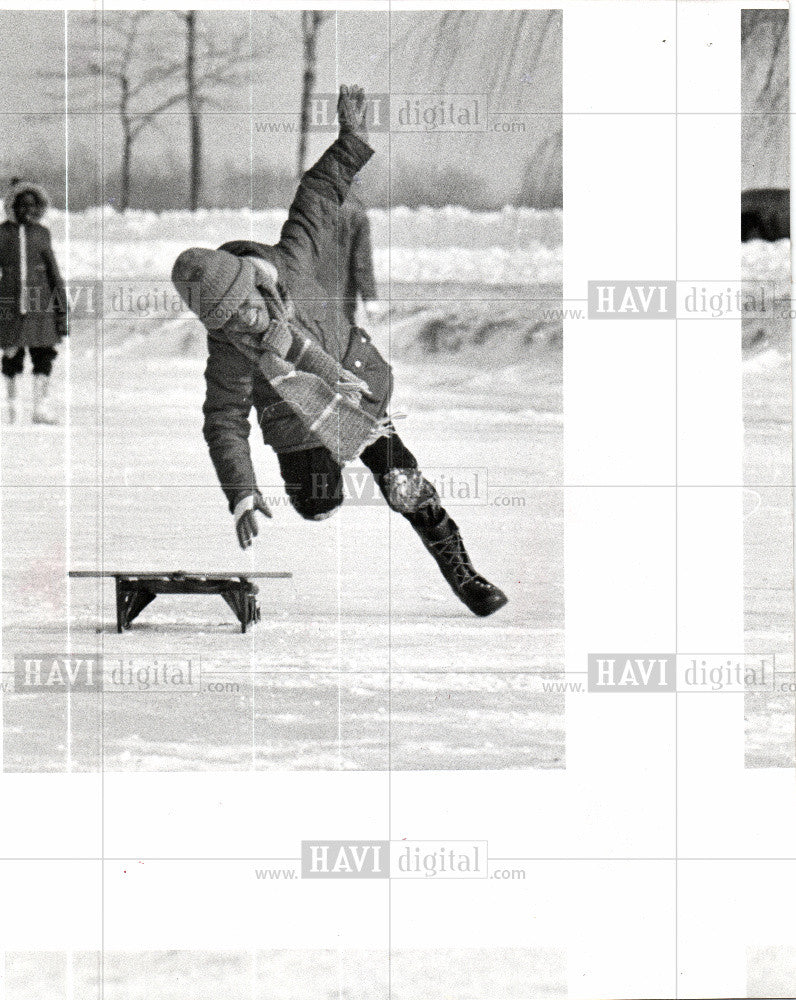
513	246
364	659
358	660
442	227
768	524
421	974
771	971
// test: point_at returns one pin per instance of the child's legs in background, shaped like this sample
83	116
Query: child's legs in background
42	359
13	361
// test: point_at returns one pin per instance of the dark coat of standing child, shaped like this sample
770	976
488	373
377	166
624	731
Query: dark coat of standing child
33	306
355	276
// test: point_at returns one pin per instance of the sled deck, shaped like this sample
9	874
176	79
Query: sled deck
134	591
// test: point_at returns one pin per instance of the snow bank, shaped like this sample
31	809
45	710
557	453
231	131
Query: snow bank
493	266
763	261
512	246
442	227
767	339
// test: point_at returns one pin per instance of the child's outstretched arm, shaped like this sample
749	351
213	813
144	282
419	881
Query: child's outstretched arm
228	400
324	186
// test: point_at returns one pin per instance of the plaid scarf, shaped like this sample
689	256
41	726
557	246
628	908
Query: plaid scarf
324	396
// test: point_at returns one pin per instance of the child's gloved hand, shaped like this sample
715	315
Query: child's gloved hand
266	276
246	522
278	337
352	111
354	388
375	309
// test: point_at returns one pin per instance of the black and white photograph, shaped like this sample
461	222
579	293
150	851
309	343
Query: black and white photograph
375	494
371	369
444	974
767	382
771	971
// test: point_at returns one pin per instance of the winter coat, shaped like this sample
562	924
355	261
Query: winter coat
765	214
355	275
33	307
306	259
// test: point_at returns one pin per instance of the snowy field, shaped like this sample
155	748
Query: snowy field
768	506
364	659
514	246
771	972
444	974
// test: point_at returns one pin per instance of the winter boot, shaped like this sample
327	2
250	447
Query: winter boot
445	544
41	388
11	398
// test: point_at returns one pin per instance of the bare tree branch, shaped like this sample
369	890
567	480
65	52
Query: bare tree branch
144	75
781	33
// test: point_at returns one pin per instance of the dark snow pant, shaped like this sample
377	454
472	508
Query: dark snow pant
41	357
314	481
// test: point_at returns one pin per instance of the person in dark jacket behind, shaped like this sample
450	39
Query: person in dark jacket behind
765	214
355	279
280	340
33	307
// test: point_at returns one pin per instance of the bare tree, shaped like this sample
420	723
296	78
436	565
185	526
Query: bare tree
508	47
311	22
764	98
764	48
542	180
139	80
516	58
138	72
194	110
212	63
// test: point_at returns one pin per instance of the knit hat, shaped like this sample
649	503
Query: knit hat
213	283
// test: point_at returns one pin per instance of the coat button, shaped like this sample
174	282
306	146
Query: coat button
357	363
364	340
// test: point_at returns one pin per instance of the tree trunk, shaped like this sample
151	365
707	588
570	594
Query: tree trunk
127	147
126	172
194	112
310	23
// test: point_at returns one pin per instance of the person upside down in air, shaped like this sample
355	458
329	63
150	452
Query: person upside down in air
280	339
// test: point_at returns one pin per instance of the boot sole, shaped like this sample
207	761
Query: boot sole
484	610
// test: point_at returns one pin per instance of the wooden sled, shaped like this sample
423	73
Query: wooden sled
134	591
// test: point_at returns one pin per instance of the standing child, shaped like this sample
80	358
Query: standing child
33	312
355	276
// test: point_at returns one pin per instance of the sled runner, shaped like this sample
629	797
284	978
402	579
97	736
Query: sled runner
134	591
